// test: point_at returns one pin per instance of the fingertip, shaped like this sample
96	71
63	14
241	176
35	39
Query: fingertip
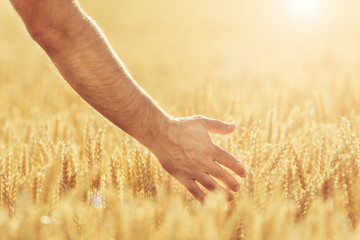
234	186
226	129
230	197
246	171
243	173
200	197
195	190
231	126
239	169
242	170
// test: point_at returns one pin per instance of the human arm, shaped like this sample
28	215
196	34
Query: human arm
85	59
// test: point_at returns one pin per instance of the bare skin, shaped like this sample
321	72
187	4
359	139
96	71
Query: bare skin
85	59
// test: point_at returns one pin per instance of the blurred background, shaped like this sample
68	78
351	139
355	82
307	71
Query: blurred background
220	58
287	72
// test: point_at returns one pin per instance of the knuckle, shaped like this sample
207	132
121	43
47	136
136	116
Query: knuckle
214	149
218	152
228	162
211	186
198	117
221	173
186	171
207	165
197	193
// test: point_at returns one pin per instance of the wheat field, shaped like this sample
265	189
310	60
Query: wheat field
292	89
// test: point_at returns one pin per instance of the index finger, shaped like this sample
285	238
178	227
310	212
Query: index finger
229	161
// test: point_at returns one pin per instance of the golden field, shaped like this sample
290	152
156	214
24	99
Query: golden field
291	84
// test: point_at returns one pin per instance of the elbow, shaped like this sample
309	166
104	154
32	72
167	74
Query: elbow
45	20
48	38
39	34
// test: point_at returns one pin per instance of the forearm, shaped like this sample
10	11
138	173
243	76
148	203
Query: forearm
85	59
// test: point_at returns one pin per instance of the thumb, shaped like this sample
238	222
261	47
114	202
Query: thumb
217	126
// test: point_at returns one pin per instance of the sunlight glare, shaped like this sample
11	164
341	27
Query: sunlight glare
305	8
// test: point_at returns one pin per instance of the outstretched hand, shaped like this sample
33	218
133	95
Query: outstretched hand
80	51
189	155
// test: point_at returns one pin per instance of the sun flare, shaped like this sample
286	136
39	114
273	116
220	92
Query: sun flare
305	8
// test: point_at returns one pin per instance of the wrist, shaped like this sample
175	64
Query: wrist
161	134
